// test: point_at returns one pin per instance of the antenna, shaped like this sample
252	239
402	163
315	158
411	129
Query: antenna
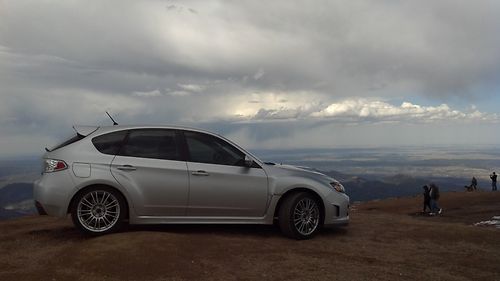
114	122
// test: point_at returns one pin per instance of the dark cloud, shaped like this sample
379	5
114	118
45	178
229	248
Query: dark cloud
199	62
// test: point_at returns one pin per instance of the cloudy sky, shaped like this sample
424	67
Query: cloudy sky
267	74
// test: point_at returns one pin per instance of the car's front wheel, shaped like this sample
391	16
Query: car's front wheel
98	210
299	216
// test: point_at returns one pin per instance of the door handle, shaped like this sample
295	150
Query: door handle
200	173
126	168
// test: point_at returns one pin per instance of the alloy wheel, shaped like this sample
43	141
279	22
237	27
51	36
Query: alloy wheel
98	211
306	216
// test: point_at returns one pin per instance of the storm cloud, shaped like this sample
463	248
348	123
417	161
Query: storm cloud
258	72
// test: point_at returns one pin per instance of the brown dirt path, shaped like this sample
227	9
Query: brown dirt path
386	240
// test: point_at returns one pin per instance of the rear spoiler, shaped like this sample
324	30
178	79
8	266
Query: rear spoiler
85	130
81	131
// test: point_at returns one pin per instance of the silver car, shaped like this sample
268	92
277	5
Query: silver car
107	176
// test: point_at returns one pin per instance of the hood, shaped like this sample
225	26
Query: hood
279	169
301	168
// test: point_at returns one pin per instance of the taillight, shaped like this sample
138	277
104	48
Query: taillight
53	165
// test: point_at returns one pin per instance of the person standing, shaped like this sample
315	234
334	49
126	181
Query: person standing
474	183
493	178
427	199
434	194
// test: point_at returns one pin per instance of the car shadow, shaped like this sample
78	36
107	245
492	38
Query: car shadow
66	233
333	231
203	229
266	231
70	233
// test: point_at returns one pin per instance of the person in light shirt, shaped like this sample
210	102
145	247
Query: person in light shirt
434	193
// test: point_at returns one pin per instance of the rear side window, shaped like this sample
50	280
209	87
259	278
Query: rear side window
109	143
151	143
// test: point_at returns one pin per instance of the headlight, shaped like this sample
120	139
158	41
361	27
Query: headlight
337	186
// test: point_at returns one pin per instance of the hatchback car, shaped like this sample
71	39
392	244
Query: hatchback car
107	176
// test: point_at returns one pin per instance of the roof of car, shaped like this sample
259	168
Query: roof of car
86	130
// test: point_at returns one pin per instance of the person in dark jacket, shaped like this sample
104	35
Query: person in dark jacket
427	199
434	193
473	184
493	178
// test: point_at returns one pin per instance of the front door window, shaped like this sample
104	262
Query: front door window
208	149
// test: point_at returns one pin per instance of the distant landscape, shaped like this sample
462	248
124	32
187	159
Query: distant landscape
16	188
377	173
367	174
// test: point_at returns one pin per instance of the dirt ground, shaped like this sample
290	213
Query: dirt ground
386	240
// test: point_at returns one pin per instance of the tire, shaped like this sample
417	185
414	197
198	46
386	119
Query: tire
98	211
300	216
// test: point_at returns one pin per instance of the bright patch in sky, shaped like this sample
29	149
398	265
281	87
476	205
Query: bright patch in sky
279	74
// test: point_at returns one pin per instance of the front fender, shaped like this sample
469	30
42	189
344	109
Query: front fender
281	185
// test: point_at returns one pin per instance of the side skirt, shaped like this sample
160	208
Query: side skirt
198	220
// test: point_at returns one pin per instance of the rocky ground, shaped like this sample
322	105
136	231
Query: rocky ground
386	240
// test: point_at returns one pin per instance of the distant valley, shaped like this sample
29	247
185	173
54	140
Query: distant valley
16	200
367	174
376	173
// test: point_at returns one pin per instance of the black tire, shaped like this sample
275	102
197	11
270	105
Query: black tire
107	210
295	224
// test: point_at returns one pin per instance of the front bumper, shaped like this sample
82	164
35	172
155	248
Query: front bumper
336	209
337	223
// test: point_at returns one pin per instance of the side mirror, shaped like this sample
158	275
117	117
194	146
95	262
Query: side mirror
248	161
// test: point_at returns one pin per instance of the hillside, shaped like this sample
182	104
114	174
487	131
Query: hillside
364	188
386	240
15	192
16	200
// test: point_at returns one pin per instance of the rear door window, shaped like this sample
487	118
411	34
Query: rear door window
109	143
151	143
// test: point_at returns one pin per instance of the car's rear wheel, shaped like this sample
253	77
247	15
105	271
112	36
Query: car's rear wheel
98	210
300	216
